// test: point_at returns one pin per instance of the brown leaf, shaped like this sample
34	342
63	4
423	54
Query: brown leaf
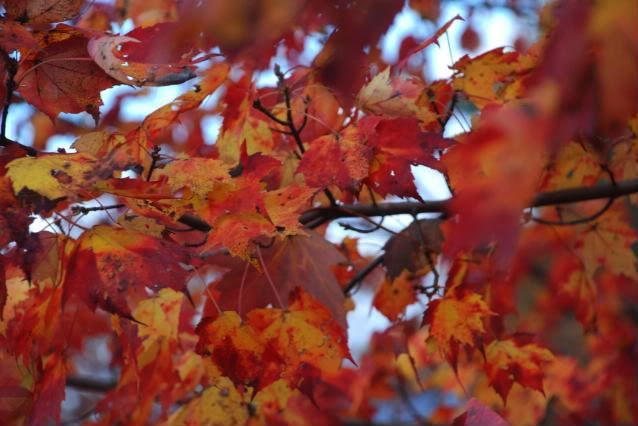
42	11
414	249
298	261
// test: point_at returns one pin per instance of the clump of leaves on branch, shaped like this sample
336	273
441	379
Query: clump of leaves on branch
201	271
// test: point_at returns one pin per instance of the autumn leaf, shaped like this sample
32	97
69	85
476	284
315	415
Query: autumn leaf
576	164
160	315
60	78
457	321
206	231
494	174
219	405
347	152
54	176
303	333
272	401
405	96
394	295
234	347
508	362
415	249
119	264
284	206
199	175
49	391
42	11
243	124
575	289
16	399
606	244
494	76
398	144
105	52
298	261
15	36
159	121
428	41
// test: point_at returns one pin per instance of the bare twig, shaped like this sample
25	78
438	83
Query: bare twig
579	221
362	274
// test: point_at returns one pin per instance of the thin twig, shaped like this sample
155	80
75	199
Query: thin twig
155	156
589	218
84	210
290	123
364	272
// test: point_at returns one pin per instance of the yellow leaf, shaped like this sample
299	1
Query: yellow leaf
575	165
305	332
456	321
396	96
494	76
160	315
53	176
219	405
198	174
394	296
285	205
607	243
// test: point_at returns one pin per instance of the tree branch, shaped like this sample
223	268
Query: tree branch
90	384
11	66
562	196
320	215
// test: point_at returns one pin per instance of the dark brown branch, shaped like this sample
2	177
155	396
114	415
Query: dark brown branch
295	131
261	108
90	384
563	196
155	156
317	216
195	222
85	210
11	66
